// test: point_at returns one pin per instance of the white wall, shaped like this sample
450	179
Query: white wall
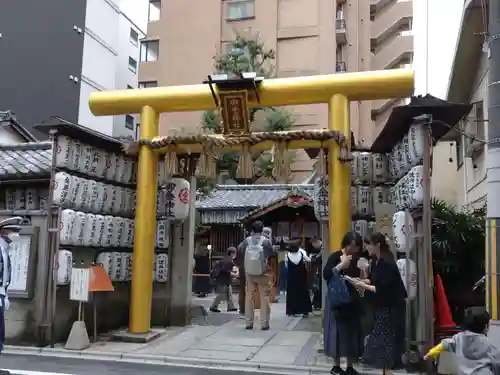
9	136
124	76
99	59
473	171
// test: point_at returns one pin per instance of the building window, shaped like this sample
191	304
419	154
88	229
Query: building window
134	37
154	10
132	65
148	84
129	122
149	50
240	9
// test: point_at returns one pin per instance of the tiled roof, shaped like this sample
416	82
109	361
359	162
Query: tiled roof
227	197
25	160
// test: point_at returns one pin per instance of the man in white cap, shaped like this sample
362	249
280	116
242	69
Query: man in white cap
9	232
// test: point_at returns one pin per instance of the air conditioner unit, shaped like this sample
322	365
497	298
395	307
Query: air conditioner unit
473	148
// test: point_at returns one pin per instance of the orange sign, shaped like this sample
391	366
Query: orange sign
99	280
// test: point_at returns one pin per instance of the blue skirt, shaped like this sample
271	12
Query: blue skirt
342	334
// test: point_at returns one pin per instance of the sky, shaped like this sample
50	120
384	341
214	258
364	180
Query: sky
444	22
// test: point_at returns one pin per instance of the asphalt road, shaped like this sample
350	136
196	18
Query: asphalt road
39	365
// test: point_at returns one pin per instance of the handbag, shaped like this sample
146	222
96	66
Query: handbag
338	293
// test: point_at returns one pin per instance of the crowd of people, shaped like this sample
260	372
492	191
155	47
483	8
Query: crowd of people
376	294
364	315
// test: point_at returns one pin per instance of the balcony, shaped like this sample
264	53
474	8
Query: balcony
340	31
391	53
340	67
391	18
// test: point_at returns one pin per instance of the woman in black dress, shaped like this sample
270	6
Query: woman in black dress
201	284
342	326
298	300
385	345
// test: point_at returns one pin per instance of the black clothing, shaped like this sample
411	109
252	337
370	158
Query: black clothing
297	294
201	284
343	336
385	345
226	267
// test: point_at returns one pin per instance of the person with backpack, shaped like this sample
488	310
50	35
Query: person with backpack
222	274
257	249
342	334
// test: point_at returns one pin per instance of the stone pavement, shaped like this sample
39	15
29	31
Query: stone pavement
291	345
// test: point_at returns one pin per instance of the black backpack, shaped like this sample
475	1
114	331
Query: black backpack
214	274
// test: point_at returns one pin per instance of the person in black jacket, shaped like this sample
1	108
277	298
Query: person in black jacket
342	326
385	344
223	274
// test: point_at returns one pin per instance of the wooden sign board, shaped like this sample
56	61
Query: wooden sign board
234	110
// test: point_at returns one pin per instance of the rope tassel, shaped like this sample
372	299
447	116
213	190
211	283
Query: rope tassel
245	163
320	164
280	167
207	166
171	165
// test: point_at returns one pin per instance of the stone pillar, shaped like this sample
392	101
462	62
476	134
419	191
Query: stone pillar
181	266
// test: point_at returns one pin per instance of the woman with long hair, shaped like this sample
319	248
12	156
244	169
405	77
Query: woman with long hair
342	325
385	344
298	300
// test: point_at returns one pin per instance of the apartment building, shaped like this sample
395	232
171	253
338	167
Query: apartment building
56	52
310	37
469	84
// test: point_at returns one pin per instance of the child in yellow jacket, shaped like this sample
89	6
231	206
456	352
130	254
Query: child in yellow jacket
475	354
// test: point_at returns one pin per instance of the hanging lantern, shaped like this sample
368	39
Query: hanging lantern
171	166
245	163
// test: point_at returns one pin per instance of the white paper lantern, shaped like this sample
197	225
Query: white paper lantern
108	231
118	229
177	199
126	176
416	137
78	229
162	175
116	266
64	266
89	229
66	226
98	236
416	186
402	224
61	191
76	155
380	195
98	163
120	167
86	159
111	163
64	147
82	197
104	259
354	201
365	200
126	264
365	167
380	168
92	196
405	267
117	208
127	239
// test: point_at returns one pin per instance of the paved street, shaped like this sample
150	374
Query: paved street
34	365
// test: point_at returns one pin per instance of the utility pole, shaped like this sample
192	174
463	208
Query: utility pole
493	170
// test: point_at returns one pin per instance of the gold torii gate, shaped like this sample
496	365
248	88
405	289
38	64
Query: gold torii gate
335	89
